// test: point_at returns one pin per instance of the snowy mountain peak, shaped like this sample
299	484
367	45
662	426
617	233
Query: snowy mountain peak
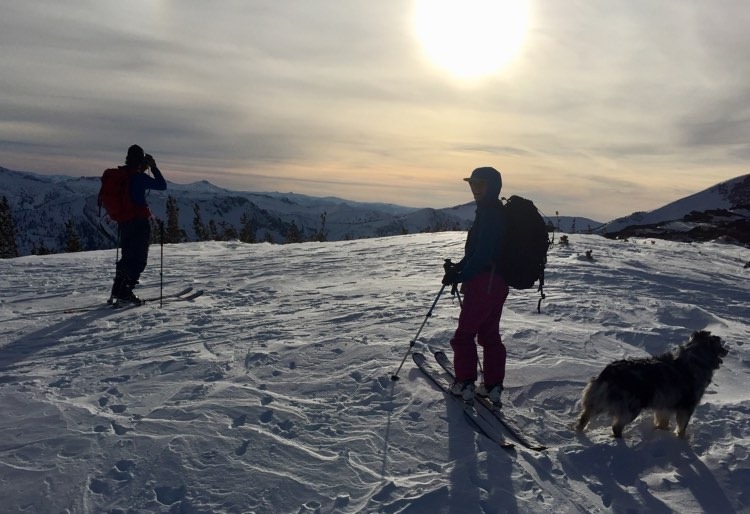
729	195
45	208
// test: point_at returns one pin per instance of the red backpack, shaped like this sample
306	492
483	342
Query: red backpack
114	194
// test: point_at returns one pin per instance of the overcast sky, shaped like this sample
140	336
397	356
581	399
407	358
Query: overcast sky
609	106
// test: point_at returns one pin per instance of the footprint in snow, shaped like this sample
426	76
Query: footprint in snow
242	448
120	379
239	421
98	486
120	429
168	495
122	470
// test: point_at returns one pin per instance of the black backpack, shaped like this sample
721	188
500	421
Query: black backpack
524	252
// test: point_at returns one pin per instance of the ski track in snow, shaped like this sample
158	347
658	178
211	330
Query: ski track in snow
272	392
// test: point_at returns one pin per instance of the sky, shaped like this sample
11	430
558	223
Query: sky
603	109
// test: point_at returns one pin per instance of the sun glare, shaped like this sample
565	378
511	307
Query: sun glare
471	38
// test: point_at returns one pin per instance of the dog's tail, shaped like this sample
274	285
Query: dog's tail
593	402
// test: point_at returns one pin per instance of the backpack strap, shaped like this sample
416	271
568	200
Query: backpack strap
542	296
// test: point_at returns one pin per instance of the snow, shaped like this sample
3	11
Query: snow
725	195
272	393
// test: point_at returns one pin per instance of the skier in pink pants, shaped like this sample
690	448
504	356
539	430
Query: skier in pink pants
484	290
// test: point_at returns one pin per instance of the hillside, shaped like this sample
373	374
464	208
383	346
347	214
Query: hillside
41	205
721	212
271	393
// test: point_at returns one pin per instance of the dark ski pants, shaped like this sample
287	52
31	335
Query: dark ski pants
484	297
135	237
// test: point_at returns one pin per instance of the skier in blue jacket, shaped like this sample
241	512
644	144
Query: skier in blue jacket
485	291
135	232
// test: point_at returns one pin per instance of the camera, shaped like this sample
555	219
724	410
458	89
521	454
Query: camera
149	160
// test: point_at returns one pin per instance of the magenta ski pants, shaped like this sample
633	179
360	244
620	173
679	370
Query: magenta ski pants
484	297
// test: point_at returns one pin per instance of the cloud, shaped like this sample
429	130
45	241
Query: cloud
331	96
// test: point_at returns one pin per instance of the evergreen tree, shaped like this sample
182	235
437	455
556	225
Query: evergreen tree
8	246
173	233
322	234
228	232
267	237
156	224
72	240
213	232
41	249
247	229
201	233
293	234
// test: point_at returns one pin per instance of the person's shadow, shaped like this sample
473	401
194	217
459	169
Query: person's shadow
44	340
481	479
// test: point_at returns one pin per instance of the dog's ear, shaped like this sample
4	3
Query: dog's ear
718	345
700	334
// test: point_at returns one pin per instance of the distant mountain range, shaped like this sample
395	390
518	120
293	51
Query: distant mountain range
721	212
42	205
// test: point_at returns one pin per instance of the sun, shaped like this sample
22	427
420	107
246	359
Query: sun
471	38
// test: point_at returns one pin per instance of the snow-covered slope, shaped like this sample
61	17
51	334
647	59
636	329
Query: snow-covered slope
727	195
566	224
41	206
272	392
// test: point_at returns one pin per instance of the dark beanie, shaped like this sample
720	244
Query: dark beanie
136	156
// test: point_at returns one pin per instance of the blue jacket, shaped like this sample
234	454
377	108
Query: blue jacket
140	182
485	239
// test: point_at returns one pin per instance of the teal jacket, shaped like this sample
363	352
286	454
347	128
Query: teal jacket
486	236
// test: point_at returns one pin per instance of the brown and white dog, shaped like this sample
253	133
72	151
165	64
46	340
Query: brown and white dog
672	383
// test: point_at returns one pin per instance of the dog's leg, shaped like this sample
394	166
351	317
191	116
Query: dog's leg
617	428
683	417
620	420
583	420
661	419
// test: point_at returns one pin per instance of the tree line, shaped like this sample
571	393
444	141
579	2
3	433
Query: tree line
168	231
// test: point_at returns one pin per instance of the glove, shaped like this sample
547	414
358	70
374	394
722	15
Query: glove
451	272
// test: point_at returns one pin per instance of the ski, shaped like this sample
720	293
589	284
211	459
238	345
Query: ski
180	296
191	296
497	412
170	295
469	412
114	304
173	296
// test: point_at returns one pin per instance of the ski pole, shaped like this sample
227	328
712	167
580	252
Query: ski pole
395	376
117	258
455	292
161	265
